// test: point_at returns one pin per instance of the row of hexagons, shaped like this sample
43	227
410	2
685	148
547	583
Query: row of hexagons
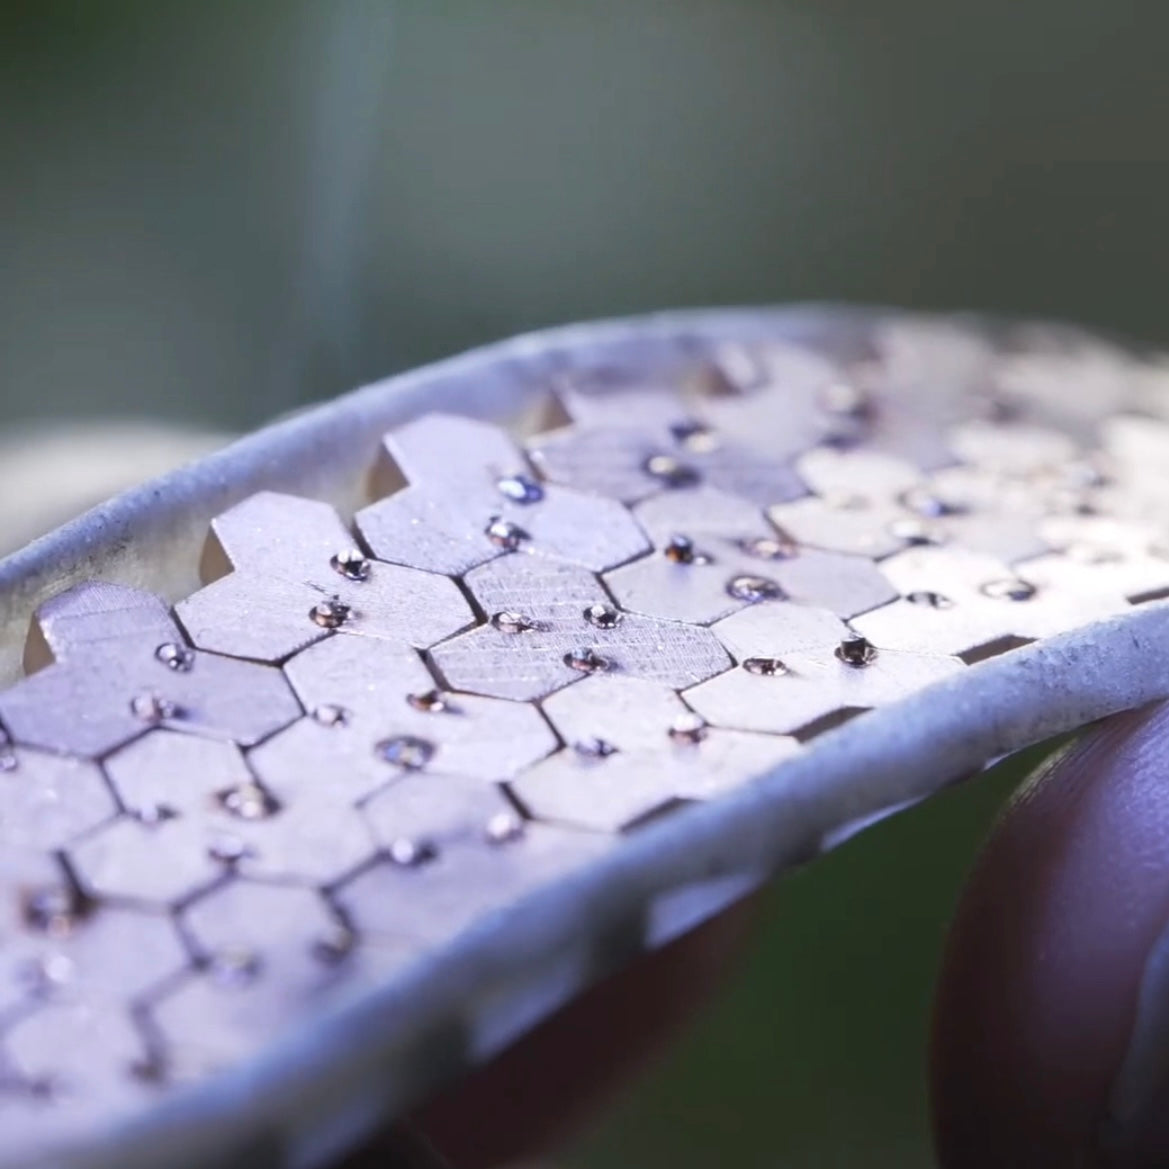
340	787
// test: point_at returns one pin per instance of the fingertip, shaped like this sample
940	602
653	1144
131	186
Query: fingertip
1043	968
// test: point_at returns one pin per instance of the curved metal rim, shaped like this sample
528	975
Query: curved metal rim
335	1079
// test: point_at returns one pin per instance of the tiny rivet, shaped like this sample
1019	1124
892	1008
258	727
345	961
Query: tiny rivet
351	564
765	667
331	613
753	589
670	471
855	650
1009	589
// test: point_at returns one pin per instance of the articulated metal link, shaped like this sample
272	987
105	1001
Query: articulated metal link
368	734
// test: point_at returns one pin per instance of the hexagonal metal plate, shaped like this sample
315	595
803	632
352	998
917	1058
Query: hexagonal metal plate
547	662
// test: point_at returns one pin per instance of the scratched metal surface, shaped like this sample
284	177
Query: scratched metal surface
285	846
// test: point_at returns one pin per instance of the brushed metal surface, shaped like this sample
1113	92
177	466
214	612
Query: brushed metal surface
444	725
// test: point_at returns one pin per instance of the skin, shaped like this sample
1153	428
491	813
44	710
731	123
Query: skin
1039	1005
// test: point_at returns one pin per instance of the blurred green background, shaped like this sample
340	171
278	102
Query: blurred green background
212	212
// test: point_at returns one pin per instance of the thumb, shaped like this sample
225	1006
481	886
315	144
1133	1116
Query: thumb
1051	1027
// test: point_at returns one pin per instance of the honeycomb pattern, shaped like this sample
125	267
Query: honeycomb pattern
551	623
288	559
119	665
471	497
358	740
726	542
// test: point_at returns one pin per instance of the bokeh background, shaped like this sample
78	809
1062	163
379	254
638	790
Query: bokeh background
213	212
